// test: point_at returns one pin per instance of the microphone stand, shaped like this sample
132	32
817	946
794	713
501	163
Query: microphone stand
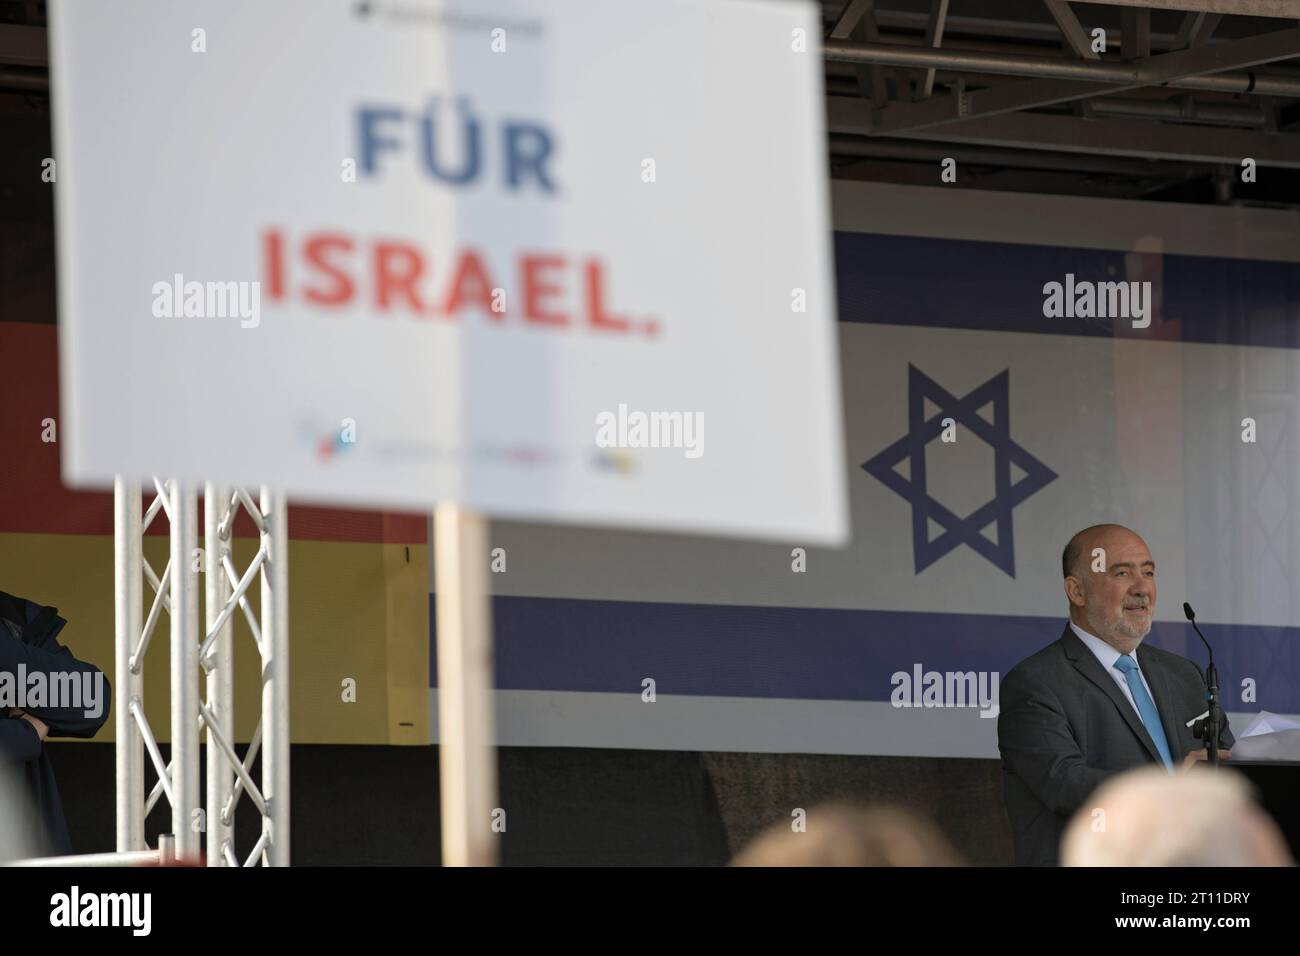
1210	726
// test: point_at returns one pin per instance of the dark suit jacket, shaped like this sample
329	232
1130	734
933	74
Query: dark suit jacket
29	636
1065	726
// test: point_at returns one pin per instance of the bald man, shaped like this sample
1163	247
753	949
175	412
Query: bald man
1160	819
1098	701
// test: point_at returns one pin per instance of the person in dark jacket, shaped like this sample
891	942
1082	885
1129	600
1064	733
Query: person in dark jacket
45	692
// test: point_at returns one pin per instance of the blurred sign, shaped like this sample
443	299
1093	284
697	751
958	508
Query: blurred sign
563	260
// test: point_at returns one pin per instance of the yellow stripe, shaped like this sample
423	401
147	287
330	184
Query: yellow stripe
356	610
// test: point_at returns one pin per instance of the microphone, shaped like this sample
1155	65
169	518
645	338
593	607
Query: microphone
1208	728
1191	616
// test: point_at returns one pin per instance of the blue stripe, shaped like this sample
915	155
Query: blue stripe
964	284
818	653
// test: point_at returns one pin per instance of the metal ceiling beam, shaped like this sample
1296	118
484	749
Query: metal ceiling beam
1111	137
917	151
1136	26
23	46
1248	115
1182	109
933	39
1031	94
1071	29
849	17
1063	80
858	20
1285	78
1281	9
1197	28
23	81
985	27
1213	58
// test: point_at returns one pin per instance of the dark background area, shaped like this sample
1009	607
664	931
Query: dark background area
378	806
374	805
355	805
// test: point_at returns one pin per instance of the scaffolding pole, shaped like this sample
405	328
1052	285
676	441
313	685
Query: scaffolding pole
177	593
128	684
219	682
184	671
275	678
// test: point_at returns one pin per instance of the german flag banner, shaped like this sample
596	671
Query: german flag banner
358	597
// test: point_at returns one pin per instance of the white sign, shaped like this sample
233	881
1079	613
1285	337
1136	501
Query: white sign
563	261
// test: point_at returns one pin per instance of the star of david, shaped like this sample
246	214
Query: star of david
996	433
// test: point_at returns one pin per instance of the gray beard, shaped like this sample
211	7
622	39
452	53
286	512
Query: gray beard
1121	628
1132	633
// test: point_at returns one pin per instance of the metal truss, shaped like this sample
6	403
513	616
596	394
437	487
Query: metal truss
987	82
211	652
1193	86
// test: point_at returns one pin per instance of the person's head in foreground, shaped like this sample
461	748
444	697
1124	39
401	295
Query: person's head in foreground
1149	817
841	834
1110	581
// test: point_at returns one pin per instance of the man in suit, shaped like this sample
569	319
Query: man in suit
1098	701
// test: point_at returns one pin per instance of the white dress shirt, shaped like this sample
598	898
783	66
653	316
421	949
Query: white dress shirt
1107	655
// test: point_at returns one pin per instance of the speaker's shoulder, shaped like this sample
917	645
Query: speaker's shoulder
1043	663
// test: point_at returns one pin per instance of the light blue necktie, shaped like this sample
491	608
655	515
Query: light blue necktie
1146	706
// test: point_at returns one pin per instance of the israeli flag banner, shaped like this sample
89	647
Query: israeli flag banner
1015	368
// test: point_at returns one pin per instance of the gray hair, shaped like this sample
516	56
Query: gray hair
1150	817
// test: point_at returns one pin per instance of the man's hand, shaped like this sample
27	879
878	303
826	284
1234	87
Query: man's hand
41	728
1198	755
